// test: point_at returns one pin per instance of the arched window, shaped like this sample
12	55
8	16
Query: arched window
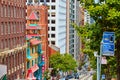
37	13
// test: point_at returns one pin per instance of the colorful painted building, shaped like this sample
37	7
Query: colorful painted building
37	40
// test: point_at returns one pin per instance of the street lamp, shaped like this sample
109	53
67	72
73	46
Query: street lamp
98	64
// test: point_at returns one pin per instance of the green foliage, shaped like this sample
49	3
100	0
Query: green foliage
62	62
94	77
107	17
46	76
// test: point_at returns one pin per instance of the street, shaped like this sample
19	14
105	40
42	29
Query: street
83	76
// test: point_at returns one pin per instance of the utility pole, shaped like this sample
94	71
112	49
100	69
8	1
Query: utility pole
98	62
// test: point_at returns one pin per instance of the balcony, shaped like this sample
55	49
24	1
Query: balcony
33	24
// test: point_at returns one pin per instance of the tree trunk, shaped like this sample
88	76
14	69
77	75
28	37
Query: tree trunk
108	72
118	58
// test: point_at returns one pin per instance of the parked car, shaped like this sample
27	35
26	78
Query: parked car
76	76
69	77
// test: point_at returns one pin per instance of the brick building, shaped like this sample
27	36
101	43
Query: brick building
37	30
12	37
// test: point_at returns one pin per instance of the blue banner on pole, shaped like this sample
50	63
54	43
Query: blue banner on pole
108	45
108	49
108	37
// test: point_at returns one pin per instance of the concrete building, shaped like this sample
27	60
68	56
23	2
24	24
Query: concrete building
57	23
73	44
12	38
37	39
86	17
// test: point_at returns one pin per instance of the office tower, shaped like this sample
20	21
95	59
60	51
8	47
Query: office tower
12	38
57	23
73	44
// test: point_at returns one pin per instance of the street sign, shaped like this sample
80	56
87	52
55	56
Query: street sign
108	49
108	37
108	45
103	60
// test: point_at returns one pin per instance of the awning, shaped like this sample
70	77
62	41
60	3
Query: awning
30	75
41	64
35	42
33	35
33	24
28	37
33	27
29	57
34	68
29	27
3	77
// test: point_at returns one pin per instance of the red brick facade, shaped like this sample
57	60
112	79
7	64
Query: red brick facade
12	37
42	11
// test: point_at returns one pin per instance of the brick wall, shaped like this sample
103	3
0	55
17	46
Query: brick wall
12	35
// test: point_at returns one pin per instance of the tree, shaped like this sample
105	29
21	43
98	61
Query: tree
62	62
87	36
106	14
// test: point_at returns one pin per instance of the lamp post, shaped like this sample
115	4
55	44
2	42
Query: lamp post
98	64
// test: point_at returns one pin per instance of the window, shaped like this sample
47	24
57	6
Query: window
36	1
30	1
53	0
6	43
28	65
36	49
9	43
32	50
53	28
35	61
5	28
48	35
52	7
32	62
48	14
1	11
48	28
34	31
53	21
53	35
41	0
48	21
2	28
14	11
53	42
5	11
47	0
38	15
53	14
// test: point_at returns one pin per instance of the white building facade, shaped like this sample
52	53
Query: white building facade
56	22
